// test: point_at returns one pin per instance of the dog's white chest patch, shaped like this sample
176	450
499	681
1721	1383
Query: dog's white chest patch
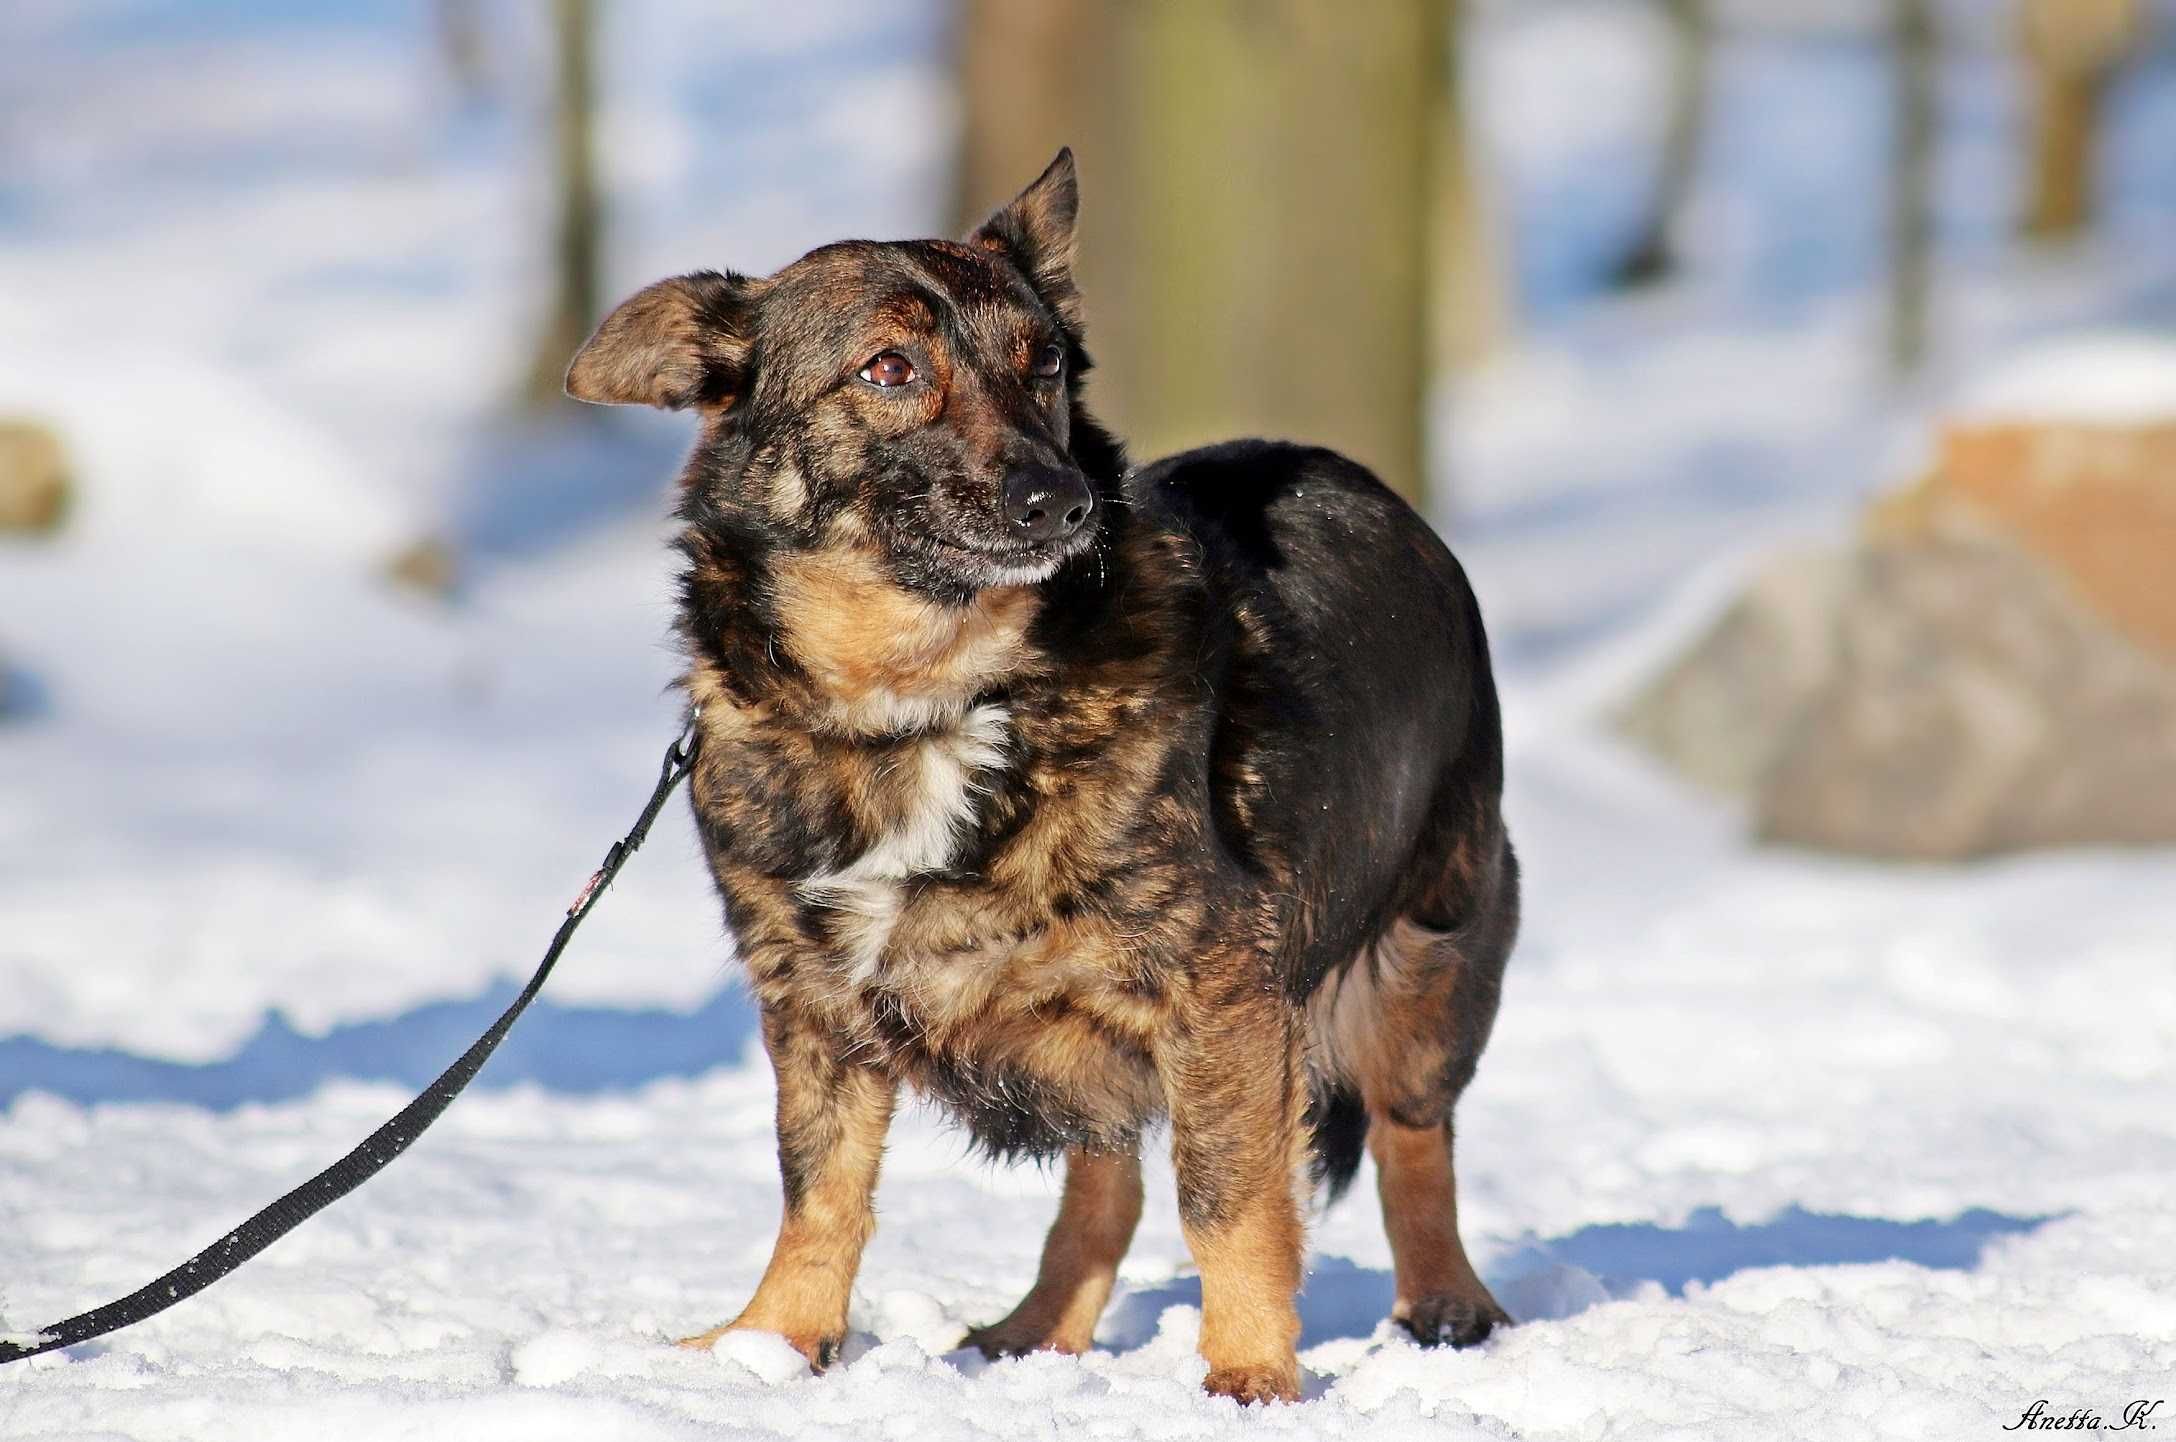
949	771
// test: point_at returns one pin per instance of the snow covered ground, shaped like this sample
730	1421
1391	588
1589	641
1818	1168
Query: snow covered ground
1766	1145
1746	1178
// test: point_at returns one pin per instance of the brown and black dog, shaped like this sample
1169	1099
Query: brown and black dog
1072	796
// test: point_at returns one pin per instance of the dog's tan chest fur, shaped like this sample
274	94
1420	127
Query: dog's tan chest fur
883	661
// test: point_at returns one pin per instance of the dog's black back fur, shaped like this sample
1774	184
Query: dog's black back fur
1374	713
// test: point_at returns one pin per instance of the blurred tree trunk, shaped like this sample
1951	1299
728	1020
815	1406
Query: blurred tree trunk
2071	46
1261	181
577	246
460	31
1034	75
1911	181
1692	52
1469	295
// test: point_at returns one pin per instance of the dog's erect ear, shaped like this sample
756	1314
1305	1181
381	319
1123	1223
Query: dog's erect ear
679	343
1035	232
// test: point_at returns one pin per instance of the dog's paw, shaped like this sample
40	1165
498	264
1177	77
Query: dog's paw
1008	1339
995	1342
1249	1385
819	1349
1449	1320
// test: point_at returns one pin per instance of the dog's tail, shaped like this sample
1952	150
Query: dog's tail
1339	1124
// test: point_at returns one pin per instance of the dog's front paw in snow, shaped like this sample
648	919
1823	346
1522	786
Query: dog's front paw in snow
1248	1385
759	1350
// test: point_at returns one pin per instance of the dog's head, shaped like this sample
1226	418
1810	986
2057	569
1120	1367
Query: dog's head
917	398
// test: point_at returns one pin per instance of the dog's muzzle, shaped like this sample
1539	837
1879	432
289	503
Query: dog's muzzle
1046	503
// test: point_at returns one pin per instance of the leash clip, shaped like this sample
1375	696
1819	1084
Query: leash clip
681	754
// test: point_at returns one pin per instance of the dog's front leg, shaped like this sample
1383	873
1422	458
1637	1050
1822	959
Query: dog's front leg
832	1117
1231	1081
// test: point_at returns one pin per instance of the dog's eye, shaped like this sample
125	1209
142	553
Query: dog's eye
1049	361
888	368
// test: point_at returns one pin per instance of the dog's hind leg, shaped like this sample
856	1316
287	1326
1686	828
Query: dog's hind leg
832	1117
1096	1218
1407	1024
1440	1298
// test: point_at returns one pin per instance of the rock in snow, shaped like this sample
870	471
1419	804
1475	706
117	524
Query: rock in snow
1974	706
1721	713
2095	503
1992	669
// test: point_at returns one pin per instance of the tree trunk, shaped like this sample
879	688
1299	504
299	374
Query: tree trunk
1034	75
1259	181
1692	50
2066	106
1911	182
577	247
2071	46
1468	295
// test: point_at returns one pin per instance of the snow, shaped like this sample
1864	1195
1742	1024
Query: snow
1766	1145
2109	378
1760	1146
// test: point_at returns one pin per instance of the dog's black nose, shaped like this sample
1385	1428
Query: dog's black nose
1047	503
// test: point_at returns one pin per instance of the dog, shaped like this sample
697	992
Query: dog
1078	798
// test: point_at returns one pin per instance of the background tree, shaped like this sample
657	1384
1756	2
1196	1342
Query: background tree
1469	297
2072	47
1264	199
1911	180
1035	75
578	226
1692	52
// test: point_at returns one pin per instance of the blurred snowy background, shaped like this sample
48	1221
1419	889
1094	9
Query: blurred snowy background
332	652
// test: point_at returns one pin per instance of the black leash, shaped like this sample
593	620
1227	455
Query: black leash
382	1145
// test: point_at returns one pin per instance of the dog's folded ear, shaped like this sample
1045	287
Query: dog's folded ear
1035	232
681	342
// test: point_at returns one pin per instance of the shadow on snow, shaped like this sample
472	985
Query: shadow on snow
1562	1277
573	1049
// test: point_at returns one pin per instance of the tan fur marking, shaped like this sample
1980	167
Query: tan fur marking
1062	846
1380	1023
887	660
1238	1148
1249	1326
1096	1218
1348	1025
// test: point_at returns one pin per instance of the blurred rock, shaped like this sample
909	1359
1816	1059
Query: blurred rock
34	478
1721	712
1975	706
429	565
1993	668
2096	502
